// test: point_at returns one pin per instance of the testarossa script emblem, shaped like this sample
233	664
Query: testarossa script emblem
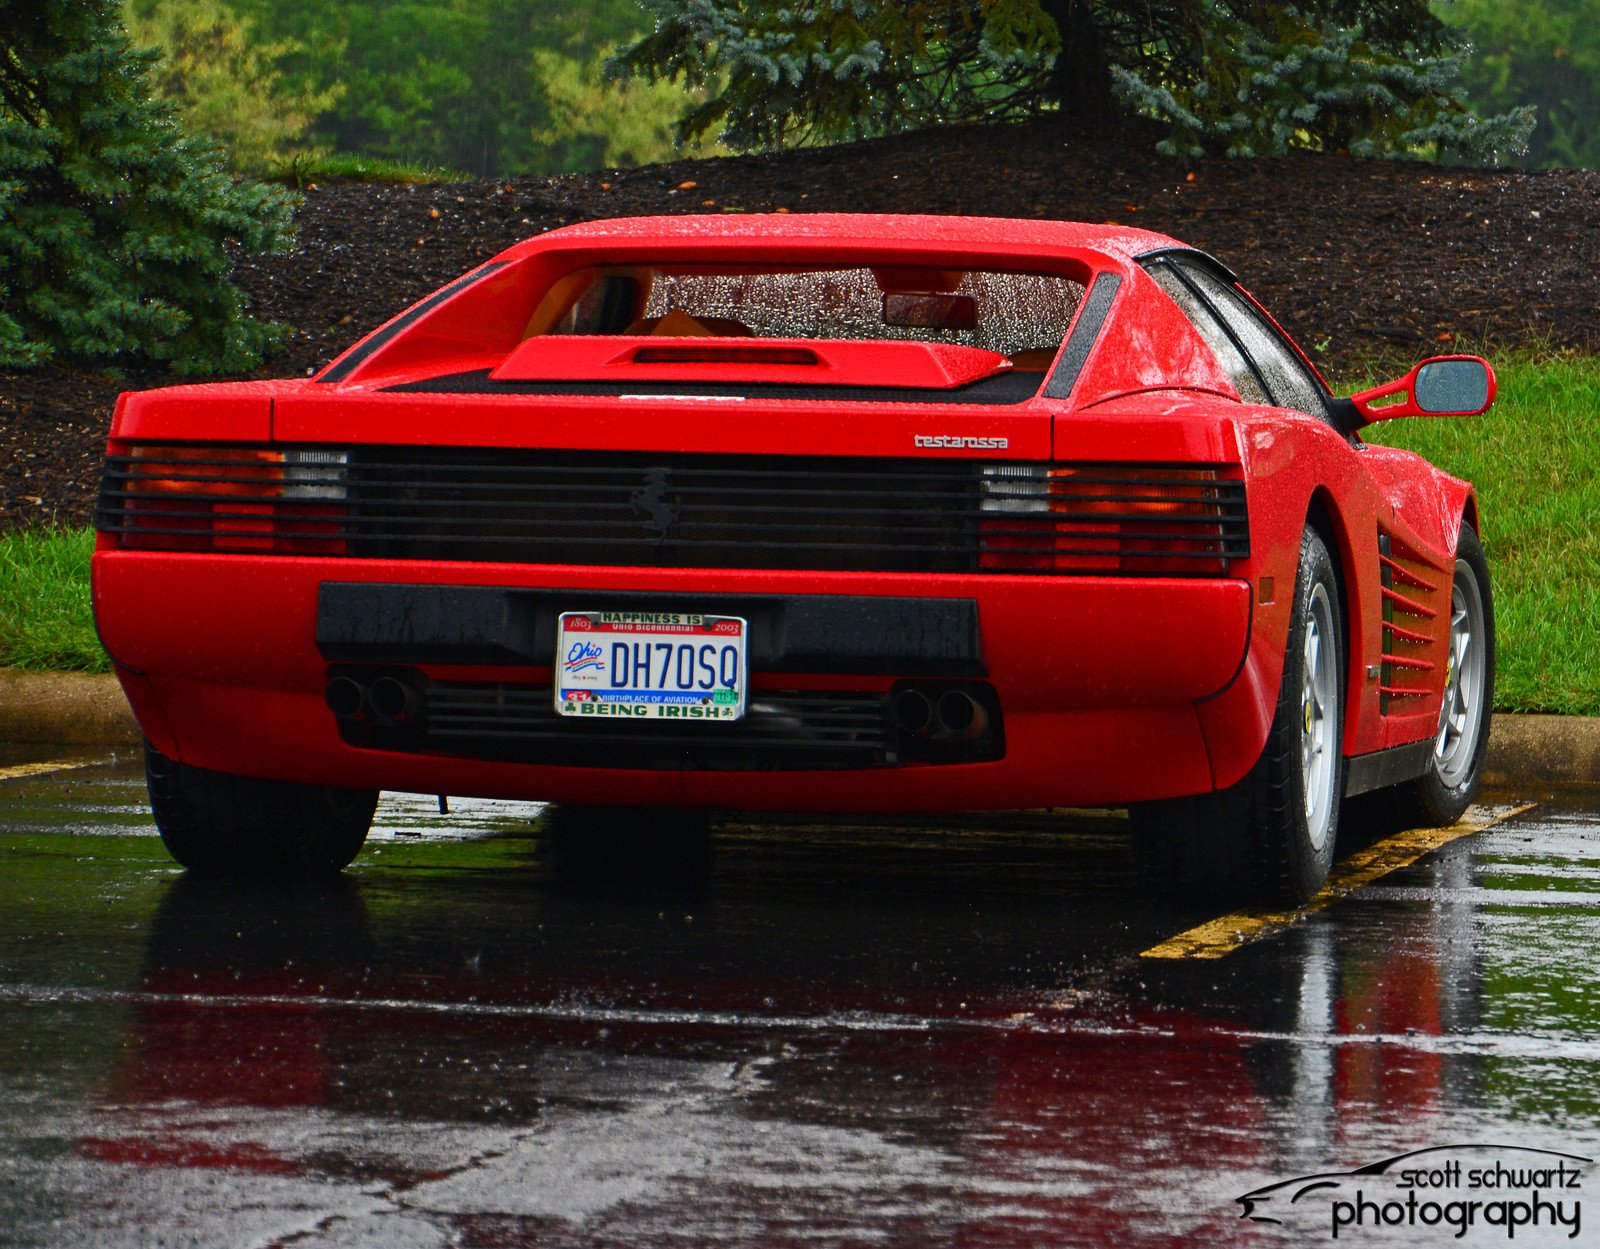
961	442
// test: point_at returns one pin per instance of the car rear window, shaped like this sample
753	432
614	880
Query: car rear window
1021	315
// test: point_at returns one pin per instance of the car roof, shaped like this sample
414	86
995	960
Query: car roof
891	231
482	305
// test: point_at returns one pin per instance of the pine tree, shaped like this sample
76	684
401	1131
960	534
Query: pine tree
1334	77
114	226
1245	77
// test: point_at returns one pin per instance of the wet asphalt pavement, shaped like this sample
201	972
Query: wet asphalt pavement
799	1032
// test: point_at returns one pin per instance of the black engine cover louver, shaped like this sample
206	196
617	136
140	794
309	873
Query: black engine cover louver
640	510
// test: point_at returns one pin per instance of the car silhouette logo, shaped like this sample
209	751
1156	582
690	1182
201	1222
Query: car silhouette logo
1265	1204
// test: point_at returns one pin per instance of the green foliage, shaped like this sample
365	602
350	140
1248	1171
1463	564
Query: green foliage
224	82
1368	76
1272	78
490	87
596	123
113	223
1544	53
825	71
448	84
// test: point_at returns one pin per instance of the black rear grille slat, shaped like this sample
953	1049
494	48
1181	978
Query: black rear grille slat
438	720
375	506
803	728
782	729
642	509
375	501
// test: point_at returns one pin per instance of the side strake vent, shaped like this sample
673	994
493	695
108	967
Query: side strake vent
676	511
1413	595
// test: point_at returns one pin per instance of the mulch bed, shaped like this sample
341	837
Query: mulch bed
1356	258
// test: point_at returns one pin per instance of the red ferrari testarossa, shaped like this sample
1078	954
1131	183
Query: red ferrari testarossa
805	513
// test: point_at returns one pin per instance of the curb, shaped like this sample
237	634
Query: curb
1554	751
64	709
74	709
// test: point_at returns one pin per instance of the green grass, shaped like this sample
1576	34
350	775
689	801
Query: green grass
1535	460
45	620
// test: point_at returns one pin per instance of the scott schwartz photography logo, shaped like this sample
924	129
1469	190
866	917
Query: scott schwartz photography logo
1476	1193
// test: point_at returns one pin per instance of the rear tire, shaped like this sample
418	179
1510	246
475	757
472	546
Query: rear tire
219	824
585	822
613	846
1443	793
1269	840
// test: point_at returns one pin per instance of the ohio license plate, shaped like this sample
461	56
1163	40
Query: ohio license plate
650	665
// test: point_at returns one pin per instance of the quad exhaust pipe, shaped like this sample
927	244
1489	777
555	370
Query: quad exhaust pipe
953	716
387	700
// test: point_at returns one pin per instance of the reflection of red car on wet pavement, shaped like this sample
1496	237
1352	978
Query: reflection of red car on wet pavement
846	513
291	1037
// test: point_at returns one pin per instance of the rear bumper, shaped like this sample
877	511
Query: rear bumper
225	660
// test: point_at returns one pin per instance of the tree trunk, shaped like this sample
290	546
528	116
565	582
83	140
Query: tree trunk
1081	79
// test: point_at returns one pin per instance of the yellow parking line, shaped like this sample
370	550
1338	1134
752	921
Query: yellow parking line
1220	937
20	770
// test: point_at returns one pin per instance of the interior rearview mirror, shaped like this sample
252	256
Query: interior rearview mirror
930	310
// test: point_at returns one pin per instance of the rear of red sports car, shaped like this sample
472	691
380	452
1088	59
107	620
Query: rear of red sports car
793	513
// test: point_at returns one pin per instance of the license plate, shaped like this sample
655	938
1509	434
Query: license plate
650	665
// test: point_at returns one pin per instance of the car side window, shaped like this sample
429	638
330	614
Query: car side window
1249	384
1292	386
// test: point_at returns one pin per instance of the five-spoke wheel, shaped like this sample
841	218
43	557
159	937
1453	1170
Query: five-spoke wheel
1319	703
